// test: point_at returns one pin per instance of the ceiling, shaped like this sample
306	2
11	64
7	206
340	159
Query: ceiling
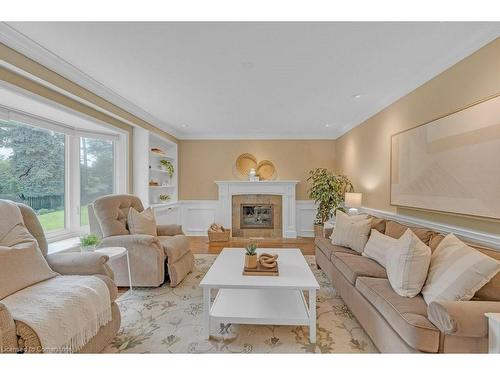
252	80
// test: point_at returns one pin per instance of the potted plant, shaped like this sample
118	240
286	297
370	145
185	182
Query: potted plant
89	242
164	197
328	191
251	256
168	166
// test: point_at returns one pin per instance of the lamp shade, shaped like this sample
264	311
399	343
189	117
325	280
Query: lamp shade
353	200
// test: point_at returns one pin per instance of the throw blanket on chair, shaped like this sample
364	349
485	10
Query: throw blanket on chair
66	312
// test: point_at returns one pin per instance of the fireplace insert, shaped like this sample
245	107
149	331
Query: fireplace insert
256	216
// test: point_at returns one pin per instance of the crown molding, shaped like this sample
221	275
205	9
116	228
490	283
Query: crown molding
28	47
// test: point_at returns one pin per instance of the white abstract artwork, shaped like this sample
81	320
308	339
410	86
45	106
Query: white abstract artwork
451	164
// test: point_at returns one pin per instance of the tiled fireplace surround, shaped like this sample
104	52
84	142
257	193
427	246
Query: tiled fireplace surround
280	193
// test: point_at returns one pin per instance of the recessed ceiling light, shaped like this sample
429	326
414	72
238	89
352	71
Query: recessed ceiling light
185	126
327	125
357	96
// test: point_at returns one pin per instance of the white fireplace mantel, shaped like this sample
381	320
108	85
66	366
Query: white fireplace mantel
285	188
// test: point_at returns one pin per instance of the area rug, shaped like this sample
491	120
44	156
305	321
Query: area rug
169	320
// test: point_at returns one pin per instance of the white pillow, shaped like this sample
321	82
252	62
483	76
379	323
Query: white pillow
377	246
457	271
407	264
353	218
351	231
141	222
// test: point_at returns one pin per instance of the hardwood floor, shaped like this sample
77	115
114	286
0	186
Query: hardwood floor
200	245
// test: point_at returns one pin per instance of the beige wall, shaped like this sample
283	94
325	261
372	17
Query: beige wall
203	162
363	154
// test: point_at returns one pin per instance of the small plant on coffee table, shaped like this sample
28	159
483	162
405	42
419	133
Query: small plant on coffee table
251	249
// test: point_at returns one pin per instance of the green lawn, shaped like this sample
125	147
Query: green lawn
55	220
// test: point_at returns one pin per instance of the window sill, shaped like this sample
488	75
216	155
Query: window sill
64	246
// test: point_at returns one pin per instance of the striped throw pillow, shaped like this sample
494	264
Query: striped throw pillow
351	231
457	271
377	246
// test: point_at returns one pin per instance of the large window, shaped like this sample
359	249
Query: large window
58	170
32	171
97	172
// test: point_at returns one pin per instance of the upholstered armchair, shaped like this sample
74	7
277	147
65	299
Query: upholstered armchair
17	336
149	255
71	263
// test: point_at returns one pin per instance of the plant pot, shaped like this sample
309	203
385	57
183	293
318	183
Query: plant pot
251	261
319	230
86	249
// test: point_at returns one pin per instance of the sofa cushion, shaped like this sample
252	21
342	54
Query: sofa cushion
377	247
407	264
457	271
175	247
407	316
351	231
396	230
141	222
327	248
21	266
352	266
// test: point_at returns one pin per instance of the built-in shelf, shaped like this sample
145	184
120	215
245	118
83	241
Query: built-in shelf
157	170
163	156
160	205
147	168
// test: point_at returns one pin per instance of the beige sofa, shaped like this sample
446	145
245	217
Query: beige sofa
18	337
149	255
407	325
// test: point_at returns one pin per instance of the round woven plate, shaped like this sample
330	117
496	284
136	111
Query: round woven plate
265	170
245	162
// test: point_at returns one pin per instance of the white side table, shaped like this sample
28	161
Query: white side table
115	253
494	332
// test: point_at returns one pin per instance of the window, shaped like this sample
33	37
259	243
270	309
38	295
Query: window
57	169
32	171
97	172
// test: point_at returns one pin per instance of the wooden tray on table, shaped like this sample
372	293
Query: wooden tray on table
261	271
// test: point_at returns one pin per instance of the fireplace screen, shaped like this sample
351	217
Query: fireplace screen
256	216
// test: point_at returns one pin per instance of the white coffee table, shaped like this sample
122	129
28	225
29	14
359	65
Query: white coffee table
276	300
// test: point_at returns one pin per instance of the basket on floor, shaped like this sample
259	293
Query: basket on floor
214	236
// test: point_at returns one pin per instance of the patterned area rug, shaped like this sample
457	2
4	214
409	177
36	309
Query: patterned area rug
169	320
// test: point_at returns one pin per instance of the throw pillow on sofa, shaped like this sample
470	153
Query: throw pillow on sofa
377	246
21	266
353	217
407	264
141	222
351	231
457	271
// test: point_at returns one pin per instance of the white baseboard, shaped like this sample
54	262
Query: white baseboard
195	216
474	237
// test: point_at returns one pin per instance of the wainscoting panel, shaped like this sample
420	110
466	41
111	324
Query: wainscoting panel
196	216
306	212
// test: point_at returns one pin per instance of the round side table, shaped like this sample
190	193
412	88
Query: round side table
115	253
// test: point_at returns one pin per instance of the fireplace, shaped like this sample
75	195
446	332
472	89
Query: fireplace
256	216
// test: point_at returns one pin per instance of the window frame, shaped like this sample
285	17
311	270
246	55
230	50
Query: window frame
72	135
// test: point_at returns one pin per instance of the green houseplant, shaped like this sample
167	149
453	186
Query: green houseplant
251	256
327	190
169	167
89	242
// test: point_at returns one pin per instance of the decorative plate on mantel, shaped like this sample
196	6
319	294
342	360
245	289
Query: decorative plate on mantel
245	162
265	170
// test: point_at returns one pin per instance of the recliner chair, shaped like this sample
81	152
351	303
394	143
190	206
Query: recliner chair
149	255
